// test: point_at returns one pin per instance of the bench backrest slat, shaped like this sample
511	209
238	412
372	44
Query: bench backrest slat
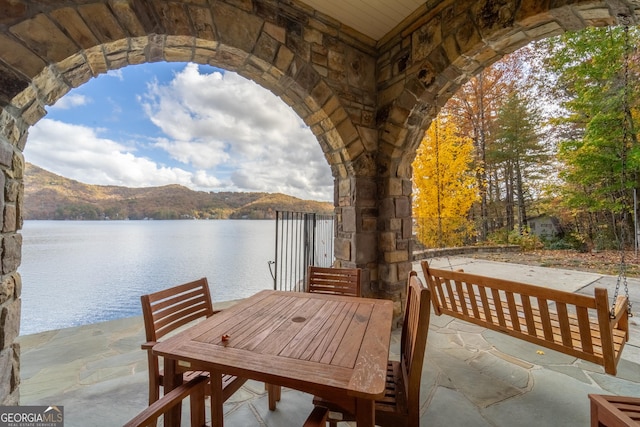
451	295
462	301
496	297
485	304
565	329
545	318
513	312
528	315
585	329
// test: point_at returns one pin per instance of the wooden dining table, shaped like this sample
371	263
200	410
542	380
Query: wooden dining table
335	347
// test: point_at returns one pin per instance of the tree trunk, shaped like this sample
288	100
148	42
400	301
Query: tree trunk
522	211
509	199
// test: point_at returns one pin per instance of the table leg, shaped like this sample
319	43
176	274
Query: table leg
273	391
197	405
217	414
365	413
172	379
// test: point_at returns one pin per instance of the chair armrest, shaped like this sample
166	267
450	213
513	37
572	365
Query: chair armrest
167	402
148	345
620	308
620	320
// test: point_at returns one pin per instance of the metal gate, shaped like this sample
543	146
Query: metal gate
302	239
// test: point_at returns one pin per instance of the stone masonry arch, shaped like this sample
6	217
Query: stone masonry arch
48	49
421	67
58	49
366	101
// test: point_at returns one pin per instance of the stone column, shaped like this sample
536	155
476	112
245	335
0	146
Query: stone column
394	242
374	228
9	349
11	168
356	233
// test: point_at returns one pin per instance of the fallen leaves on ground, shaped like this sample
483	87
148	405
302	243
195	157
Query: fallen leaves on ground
602	262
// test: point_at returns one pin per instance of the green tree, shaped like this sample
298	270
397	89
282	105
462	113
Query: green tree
597	79
519	152
444	184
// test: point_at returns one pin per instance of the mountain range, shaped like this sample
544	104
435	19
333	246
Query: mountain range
49	196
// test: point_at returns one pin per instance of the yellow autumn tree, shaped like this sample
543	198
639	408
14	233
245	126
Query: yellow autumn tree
444	185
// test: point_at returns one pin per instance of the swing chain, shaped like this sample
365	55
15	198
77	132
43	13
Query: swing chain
625	138
621	277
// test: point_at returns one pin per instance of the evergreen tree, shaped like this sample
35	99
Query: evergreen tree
521	155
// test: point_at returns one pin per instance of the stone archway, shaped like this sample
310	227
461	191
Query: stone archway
422	65
366	101
48	50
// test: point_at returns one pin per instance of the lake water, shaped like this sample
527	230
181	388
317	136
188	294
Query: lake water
80	272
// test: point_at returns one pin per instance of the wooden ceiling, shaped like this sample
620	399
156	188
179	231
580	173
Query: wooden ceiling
374	18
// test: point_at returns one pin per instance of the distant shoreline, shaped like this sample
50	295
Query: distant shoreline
48	196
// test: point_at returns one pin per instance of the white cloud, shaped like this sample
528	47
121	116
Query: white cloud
116	73
70	101
78	152
217	119
197	153
215	131
204	180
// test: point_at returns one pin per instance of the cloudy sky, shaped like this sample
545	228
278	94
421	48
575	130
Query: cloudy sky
168	123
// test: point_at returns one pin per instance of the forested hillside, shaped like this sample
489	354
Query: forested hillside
50	196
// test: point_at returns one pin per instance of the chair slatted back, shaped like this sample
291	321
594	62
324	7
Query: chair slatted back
169	309
338	281
414	341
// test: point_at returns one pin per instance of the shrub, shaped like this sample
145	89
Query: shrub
524	239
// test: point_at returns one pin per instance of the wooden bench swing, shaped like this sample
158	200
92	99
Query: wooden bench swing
578	325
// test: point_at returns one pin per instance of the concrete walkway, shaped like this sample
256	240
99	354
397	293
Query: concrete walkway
471	377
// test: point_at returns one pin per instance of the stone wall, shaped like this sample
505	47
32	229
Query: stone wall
367	101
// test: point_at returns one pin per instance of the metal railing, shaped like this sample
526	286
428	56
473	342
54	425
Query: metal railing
302	239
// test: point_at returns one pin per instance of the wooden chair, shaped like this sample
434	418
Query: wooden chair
168	310
401	404
338	281
614	411
194	388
